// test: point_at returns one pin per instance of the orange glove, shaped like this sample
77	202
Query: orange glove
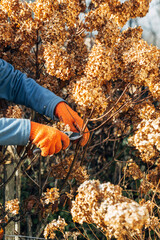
1	233
70	117
50	140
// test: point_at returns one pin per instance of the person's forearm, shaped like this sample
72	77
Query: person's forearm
14	131
16	87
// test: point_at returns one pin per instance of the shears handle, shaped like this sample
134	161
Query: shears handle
73	136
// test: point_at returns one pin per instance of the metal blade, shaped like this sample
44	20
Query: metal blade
73	136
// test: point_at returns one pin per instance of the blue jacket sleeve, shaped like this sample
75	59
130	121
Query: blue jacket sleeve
14	131
16	87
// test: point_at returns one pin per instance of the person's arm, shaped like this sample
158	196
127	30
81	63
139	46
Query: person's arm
16	87
18	131
14	131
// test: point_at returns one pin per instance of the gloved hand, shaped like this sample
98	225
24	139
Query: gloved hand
70	117
49	139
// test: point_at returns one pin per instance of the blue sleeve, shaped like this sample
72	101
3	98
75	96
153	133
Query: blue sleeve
14	131
17	88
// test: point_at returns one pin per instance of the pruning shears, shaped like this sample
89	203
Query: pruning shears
73	136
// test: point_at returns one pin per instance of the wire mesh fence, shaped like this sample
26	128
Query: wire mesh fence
21	237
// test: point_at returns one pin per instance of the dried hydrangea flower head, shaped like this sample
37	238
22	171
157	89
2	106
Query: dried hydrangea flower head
5	29
122	12
61	168
72	235
64	50
12	206
147	136
50	196
62	126
104	205
100	65
126	219
21	22
55	225
144	61
57	62
81	94
132	169
14	112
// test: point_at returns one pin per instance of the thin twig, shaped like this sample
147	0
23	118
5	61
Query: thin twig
89	141
93	232
154	195
113	115
102	169
100	143
86	148
95	226
97	119
79	230
85	233
46	179
13	173
71	166
86	122
24	171
121	108
41	226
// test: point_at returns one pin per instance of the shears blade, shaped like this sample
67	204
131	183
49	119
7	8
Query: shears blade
73	136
